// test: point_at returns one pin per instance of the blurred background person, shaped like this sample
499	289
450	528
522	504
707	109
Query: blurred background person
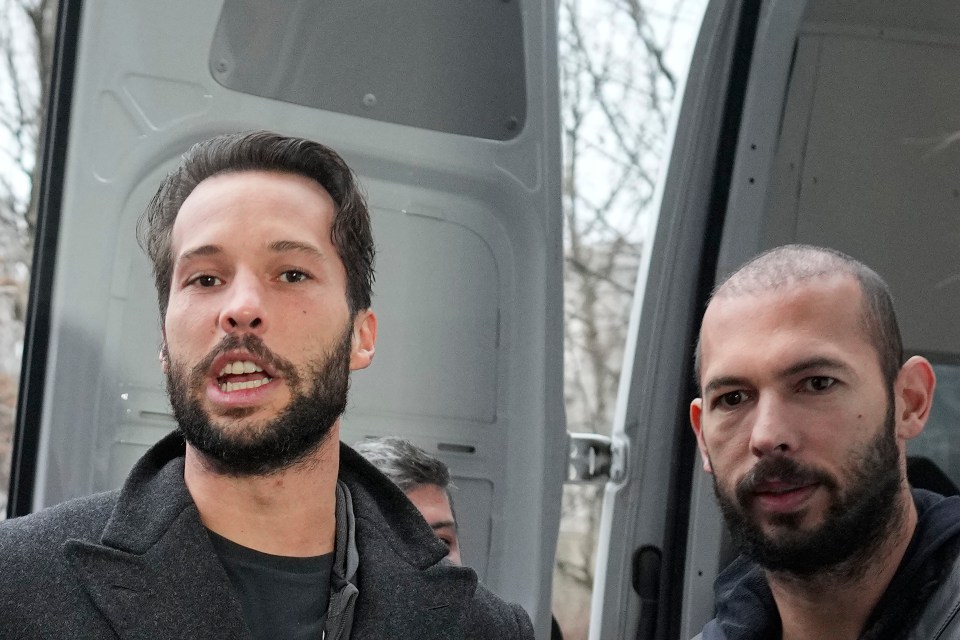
426	482
424	479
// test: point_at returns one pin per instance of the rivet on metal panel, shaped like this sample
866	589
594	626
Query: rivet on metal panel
369	100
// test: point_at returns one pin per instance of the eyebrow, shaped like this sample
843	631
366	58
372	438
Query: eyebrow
443	524
200	252
279	246
817	362
723	381
286	246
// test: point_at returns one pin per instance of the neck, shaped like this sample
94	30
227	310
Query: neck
288	513
837	603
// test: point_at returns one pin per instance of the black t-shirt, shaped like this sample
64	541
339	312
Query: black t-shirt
281	597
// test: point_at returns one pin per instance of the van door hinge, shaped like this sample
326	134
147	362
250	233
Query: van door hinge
596	458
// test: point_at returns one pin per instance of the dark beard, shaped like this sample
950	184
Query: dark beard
273	445
858	520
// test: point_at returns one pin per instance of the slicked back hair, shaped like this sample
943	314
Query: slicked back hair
264	151
795	263
407	465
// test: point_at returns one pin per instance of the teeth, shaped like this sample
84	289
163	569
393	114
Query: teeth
227	387
238	367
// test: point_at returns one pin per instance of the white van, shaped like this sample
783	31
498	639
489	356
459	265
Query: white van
831	122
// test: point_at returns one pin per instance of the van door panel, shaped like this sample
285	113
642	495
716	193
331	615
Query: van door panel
468	225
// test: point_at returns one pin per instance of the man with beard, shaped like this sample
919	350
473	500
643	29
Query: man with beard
805	410
251	520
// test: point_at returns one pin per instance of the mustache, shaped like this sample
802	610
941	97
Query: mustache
252	344
781	469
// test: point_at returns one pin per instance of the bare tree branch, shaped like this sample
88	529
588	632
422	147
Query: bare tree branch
616	96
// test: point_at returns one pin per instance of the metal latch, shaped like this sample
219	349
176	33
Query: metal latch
596	458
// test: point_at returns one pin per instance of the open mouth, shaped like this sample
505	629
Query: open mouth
238	375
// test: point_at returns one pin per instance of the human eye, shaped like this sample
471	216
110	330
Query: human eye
294	275
731	399
204	280
445	539
817	384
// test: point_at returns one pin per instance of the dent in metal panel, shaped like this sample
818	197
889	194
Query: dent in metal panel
162	102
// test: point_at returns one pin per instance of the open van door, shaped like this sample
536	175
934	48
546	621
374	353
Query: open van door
826	122
448	112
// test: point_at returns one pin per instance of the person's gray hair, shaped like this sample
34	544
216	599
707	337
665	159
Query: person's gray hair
407	465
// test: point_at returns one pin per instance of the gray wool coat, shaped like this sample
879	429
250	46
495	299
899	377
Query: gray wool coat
137	564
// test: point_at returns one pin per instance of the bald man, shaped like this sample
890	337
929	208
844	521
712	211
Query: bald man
806	406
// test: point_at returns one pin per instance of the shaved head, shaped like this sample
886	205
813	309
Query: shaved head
792	265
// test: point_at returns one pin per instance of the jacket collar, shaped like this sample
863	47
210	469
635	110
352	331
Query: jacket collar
746	609
154	573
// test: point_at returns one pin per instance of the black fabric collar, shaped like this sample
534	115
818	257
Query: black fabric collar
746	609
926	562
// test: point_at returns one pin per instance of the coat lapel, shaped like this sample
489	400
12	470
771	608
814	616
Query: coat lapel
154	573
404	602
176	590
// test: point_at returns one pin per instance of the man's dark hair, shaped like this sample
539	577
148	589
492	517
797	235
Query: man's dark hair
795	263
264	151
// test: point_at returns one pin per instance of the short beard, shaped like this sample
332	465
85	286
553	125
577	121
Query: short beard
857	521
273	445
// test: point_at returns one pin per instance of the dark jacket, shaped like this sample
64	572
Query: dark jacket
137	564
921	602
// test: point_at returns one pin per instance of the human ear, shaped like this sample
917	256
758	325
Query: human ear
364	340
913	396
696	421
164	353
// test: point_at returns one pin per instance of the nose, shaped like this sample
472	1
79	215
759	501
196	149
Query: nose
243	309
772	432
